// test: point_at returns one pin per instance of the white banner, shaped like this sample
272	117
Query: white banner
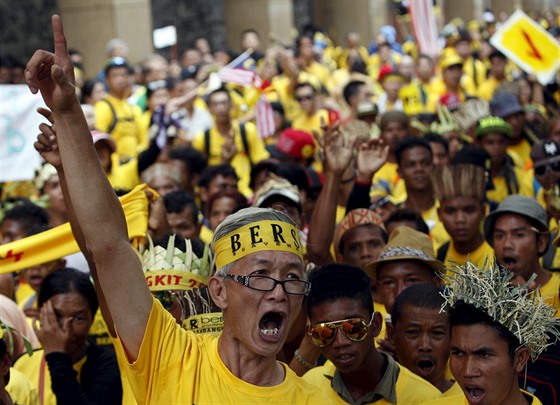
19	126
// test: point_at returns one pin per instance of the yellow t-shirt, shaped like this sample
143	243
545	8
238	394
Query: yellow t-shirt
486	89
20	388
477	256
551	292
175	366
31	367
523	150
123	176
500	191
240	161
410	389
311	123
388	181
438	234
454	390
126	133
411	97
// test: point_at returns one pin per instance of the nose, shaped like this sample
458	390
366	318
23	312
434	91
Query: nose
401	286
425	343
365	252
470	368
278	293
340	340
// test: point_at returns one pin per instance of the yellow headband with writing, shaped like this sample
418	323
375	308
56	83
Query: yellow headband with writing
164	280
257	237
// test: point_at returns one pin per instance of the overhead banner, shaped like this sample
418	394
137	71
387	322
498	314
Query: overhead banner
19	126
529	45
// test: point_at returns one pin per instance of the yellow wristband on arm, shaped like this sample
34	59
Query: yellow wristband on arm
257	237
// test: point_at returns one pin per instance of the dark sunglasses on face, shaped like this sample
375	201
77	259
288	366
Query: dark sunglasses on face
553	167
303	98
379	204
356	329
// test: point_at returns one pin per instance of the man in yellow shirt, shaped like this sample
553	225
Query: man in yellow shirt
259	283
497	75
230	141
309	119
344	325
114	115
461	191
518	232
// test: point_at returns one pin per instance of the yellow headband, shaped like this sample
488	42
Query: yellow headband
164	280
256	237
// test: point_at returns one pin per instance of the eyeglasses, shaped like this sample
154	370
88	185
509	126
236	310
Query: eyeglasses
379	204
264	283
303	98
167	298
355	329
553	167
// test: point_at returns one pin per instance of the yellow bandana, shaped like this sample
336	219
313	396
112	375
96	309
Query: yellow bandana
164	280
256	237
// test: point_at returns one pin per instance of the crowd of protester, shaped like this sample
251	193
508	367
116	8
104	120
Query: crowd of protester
390	175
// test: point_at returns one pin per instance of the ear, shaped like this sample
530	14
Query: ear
389	332
376	324
520	359
542	243
203	192
218	291
194	180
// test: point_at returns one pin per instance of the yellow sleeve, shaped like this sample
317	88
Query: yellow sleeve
103	116
256	145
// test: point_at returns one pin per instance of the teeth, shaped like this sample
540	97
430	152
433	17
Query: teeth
270	331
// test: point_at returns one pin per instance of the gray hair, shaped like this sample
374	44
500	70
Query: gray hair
116	43
241	218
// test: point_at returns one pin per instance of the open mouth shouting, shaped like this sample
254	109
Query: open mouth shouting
509	262
270	325
474	394
425	366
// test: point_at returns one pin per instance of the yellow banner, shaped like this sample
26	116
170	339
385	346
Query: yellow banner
256	237
211	324
164	280
59	242
529	45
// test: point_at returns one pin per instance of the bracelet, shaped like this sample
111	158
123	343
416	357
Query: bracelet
304	362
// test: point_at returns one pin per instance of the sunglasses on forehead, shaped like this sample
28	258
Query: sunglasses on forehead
356	329
553	167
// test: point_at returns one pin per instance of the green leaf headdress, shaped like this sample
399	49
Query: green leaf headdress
6	334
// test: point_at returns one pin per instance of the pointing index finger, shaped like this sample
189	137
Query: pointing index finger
60	47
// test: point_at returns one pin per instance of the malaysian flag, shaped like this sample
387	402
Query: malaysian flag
424	26
265	117
240	76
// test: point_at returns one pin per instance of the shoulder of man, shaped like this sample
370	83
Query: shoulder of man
412	387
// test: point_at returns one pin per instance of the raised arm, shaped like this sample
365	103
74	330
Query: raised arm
97	209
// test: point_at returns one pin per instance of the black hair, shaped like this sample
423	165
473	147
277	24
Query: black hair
88	87
27	214
210	172
300	38
292	172
305	84
220	90
337	281
352	89
155	85
68	280
407	214
194	161
382	233
436	138
249	31
394	116
466	314
409	143
37	228
3	353
423	295
240	200
196	243
176	201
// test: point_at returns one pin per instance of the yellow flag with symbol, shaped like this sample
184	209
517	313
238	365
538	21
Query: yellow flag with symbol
529	45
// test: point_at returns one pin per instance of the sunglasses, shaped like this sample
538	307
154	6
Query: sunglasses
381	203
355	329
553	167
303	98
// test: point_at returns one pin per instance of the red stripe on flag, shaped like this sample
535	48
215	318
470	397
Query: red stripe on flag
264	117
242	77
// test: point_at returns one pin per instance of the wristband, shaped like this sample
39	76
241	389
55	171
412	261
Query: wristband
304	362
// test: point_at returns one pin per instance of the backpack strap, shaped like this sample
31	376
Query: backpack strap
115	119
243	132
207	143
442	252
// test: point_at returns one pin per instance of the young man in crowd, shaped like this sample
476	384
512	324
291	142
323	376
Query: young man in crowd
495	329
182	214
420	333
258	285
343	323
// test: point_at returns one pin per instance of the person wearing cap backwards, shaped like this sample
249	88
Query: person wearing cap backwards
492	134
114	115
495	329
344	324
259	283
546	167
506	106
461	192
518	232
449	90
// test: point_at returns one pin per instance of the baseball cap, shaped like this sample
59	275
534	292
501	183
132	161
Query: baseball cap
406	243
117	61
520	205
357	217
451	60
505	104
492	124
277	187
99	136
545	152
387	71
293	143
